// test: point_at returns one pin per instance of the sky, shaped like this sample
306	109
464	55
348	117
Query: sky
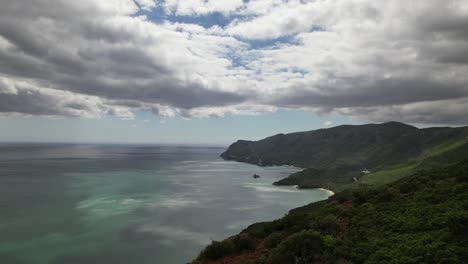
203	71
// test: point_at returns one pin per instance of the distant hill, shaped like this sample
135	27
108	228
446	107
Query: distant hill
335	156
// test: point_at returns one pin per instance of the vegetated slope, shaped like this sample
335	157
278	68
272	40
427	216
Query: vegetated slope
443	154
336	155
347	145
422	218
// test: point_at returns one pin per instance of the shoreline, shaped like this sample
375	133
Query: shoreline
331	193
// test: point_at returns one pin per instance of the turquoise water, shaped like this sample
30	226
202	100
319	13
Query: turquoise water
130	204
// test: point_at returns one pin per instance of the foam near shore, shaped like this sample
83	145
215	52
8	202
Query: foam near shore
328	191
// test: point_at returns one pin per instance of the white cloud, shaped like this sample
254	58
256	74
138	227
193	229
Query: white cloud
201	7
7	86
26	98
370	59
285	19
327	124
205	112
434	112
117	56
121	112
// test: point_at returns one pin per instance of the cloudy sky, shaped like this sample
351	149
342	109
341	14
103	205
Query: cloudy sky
212	71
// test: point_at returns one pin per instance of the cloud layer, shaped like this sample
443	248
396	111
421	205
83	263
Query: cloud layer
374	60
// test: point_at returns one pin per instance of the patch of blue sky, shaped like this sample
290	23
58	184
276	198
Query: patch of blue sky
317	28
158	16
271	43
241	59
294	70
206	21
155	15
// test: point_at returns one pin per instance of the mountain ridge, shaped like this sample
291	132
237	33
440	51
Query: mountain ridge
338	155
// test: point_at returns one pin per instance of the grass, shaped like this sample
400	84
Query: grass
389	174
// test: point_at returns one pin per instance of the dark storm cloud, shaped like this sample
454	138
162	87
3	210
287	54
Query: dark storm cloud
384	92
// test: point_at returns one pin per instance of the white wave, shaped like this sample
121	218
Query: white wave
330	193
173	233
211	170
260	188
222	162
129	201
175	203
103	207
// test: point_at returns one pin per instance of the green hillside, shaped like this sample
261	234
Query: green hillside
421	218
411	208
333	157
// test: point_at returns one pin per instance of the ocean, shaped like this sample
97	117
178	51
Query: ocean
86	203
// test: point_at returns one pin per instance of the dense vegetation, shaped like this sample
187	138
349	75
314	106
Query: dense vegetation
333	157
411	208
422	218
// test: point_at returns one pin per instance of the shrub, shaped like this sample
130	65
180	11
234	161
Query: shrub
387	194
217	250
243	242
273	240
258	260
259	230
458	224
326	224
301	248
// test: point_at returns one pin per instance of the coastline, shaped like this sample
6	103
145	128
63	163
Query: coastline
331	193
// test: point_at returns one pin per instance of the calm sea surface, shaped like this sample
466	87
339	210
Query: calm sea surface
62	203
